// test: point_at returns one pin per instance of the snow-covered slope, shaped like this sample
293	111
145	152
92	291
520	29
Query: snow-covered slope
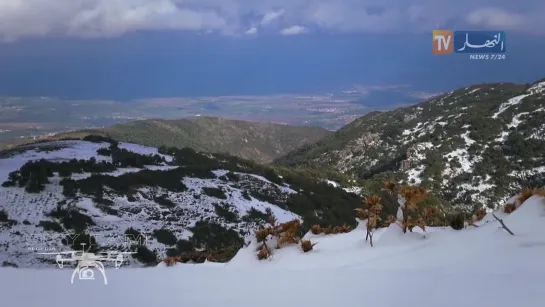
19	241
477	144
481	266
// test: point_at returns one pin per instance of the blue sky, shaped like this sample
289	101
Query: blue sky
127	49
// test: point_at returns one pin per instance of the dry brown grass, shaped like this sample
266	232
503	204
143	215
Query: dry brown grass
529	192
317	229
480	213
413	215
525	194
371	210
263	253
285	234
170	261
307	245
509	208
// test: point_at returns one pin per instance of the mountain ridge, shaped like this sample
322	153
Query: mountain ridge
181	200
257	141
474	144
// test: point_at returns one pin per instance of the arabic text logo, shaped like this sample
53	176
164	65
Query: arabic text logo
442	42
476	42
479	42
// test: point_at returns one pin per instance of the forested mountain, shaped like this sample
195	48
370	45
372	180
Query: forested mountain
181	200
477	144
260	142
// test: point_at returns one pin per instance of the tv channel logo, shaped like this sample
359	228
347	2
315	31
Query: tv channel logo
447	42
443	42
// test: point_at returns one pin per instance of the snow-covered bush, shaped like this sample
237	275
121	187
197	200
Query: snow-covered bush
280	235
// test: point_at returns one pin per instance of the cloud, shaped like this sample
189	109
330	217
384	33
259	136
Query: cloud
252	30
491	17
293	30
272	16
106	18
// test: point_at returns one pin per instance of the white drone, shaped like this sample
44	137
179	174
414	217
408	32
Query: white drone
89	259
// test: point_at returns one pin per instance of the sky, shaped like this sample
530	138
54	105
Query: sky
127	49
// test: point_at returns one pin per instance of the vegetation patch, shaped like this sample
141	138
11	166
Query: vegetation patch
3	216
145	256
227	212
255	216
164	201
165	236
51	226
214	192
71	218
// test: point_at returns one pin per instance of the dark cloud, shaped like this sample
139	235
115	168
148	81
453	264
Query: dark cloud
103	18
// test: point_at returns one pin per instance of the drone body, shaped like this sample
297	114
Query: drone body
85	259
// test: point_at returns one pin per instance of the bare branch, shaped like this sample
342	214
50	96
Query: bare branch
503	225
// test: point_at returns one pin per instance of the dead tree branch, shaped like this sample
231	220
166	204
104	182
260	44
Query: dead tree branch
503	225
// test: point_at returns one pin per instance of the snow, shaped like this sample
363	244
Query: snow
80	150
511	102
141	213
442	267
468	140
143	150
538	88
333	183
354	190
414	174
502	136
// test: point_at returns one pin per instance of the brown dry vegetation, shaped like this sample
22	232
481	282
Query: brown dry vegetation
307	245
317	229
201	256
479	212
525	194
529	192
413	212
285	233
371	212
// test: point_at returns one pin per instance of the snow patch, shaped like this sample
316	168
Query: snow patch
511	102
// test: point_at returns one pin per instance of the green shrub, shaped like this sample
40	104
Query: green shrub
165	236
145	256
214	192
184	246
164	201
228	213
51	226
457	222
76	221
3	216
212	236
257	217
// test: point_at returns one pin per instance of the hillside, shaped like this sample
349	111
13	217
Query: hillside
180	200
472	145
482	265
260	142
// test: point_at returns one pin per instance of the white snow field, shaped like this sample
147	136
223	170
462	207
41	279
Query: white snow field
479	266
18	245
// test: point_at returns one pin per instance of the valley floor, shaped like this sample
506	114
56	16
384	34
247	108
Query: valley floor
483	266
